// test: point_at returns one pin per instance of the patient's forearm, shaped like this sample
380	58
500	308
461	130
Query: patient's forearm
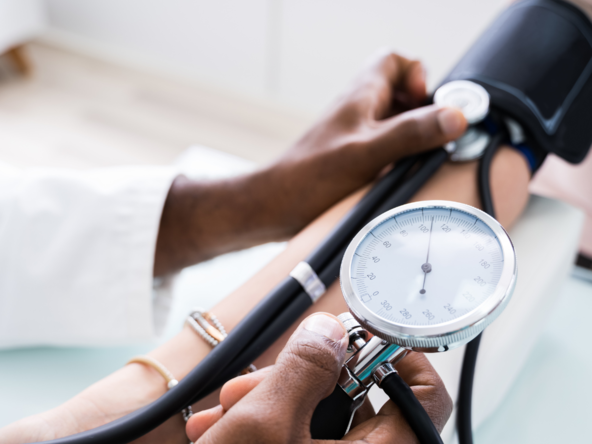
135	385
457	182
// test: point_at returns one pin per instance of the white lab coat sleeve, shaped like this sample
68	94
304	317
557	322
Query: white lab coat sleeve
77	253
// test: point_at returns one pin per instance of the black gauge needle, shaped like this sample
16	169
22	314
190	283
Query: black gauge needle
427	267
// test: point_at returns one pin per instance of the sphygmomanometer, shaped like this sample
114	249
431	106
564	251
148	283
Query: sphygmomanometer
427	276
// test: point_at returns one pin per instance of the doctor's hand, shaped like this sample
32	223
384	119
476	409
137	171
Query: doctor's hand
367	129
372	125
275	404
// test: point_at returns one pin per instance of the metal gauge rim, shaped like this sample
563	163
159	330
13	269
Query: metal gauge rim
446	334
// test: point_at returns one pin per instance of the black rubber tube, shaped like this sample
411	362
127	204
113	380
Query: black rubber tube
295	309
328	275
254	332
333	416
140	422
416	416
347	228
484	181
464	422
433	161
465	392
340	236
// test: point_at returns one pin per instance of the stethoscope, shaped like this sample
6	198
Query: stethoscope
401	304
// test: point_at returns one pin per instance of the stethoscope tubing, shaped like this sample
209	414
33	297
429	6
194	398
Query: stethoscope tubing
464	421
328	274
253	326
272	316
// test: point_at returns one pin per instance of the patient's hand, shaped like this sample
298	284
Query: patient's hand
275	405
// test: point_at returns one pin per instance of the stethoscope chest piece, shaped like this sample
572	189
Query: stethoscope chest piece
473	100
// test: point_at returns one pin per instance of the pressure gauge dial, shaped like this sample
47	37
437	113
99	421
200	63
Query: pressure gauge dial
429	275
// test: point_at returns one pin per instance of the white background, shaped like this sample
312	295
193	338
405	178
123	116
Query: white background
299	53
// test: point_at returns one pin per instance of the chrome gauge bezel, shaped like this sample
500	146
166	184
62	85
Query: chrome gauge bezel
439	337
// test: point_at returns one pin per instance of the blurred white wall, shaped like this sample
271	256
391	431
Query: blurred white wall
20	20
300	53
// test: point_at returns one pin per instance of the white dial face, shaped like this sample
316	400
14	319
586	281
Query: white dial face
427	266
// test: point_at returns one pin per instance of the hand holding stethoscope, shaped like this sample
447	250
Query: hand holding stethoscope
276	404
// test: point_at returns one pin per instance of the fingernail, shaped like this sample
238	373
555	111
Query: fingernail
325	325
451	121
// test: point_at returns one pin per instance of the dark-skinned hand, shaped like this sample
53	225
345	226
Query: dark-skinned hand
367	129
275	405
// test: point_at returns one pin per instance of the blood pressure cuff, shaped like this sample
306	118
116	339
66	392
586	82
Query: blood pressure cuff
535	61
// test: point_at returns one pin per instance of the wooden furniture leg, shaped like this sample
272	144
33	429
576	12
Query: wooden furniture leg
19	58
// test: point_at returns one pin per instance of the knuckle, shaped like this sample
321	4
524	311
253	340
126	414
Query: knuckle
385	58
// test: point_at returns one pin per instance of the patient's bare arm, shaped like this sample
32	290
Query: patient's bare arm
135	385
344	151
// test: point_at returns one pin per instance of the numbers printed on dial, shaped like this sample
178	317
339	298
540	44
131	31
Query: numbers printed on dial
468	296
405	313
428	314
434	266
480	281
449	308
